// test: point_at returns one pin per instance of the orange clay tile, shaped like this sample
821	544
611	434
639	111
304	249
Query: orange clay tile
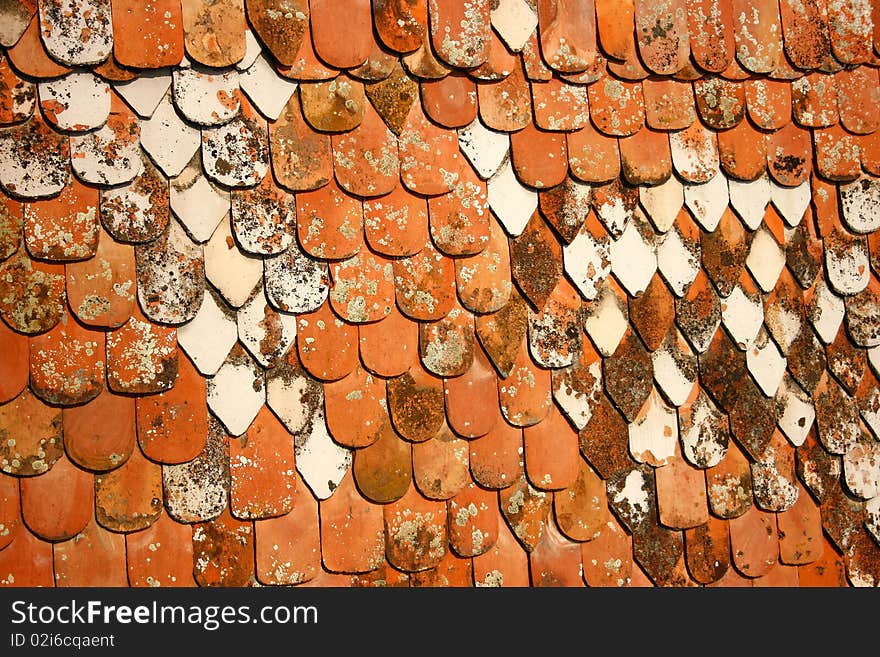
789	155
567	34
780	576
306	66
337	31
446	346
846	362
566	207
608	559
707	550
352	531
214	31
101	290
450	101
805	30
500	61
288	548
869	152
401	26
329	222
536	68
560	106
14	366
828	570
592	156
29	57
93	558
614	24
669	104
721	103
616	107
645	158
415	402
460	219
505	564
429	160
604	439
11	217
67	363
757	34
356	413
17	96
524	396
724	252
262	470
630	68
539	157
484	280
665	50
536	260
742	151
800	531
100	435
137	212
681	494
440	465
729	485
526	511
396	224
161	555
172	425
10	509
474	520
842	516
768	102
753	542
129	498
424	64
710	25
366	159
470	395
380	64
390	346
806	360
836	416
451	571
752	419
336	105
850	28
837	153
326	345
698	312
58	504
506	105
862	560
495	458
280	25
551	452
857	95
223	552
110	71
64	227
301	157
581	510
425	284
27	561
653	313
501	333
555	331
31	436
555	561
460	31
141	357
814	100
362	287
154	33
383	470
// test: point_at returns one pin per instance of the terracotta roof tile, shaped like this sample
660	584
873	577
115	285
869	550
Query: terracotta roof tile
729	485
525	394
633	498
388	347
451	101
362	288
424	64
101	290
460	221
470	398
496	459
383	470
100	435
707	550
617	107
288	547
446	346
223	552
129	498
58	504
592	156
415	532
161	555
356	414
94	557
440	465
14	372
551	452
758	37
607	560
753	542
396	224
856	92
415	403
27	561
827	571
401	26
300	156
504	564
526	511
800	532
556	560
645	157
742	151
323	327
474	521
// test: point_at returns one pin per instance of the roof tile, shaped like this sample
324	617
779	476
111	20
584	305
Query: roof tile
842	517
401	25
141	357
711	26
556	561
351	530
862	560
581	510
27	561
604	440
721	103
587	257
236	392
366	159
483	280
59	503
753	542
773	476
36	160
660	552
301	157
288	548
805	30
800	531
675	368
161	555
446	346
76	32
645	157
415	402
742	151
100	435
617	107
208	337
362	288
757	34
14	372
551	453
592	156
504	564
653	432
335	32
632	496
860	471
827	571
101	290
817	469
154	29
566	207
424	64
76	102
729	484
474	521
383	469
856	99
501	333
142	90
64	227
470	396
67	363
460	222
263	218
335	105
169	140
315	332
678	254
28	55
499	63
495	458
93	558
814	100
860	313
16	17
526	511
460	31
388	347
796	413
707	550
214	32
836	417
429	158
606	321
628	373
607	560
329	222
769	102
450	101
396	224
415	532
846	362
223	552
129	498
425	284
356	411
662	35
32	431
440	465
555	331
525	394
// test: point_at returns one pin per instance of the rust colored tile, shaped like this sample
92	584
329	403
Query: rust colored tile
280	26
555	336
329	222
533	61
450	101
337	31
617	107
695	153
425	284
708	551
551	452
484	280
850	27
223	552
390	346
100	435
721	103
155	33
698	313
460	31
396	224
710	28
525	395
800	532
681	494
29	57
566	207
789	155
526	512
416	404
846	362
362	287
757	34
446	346
506	105
93	558
869	152
326	345
58	504
502	333
262	471
578	387
536	261
804	253
653	313
306	65
336	105
11	226
807	360
355	408
65	227
614	25
581	510
628	373
10	510
366	159
753	542
301	157
451	571
288	548
27	561
592	156
567	33
352	531
632	497
172	425
742	151
431	165
604	440
67	363
724	252
14	366
780	576
415	532
768	102
842	517
608	560
560	106
752	418
474	521
31	433
836	416
862	559
141	357
629	68
729	485
161	555
773	476
394	96
669	103
662	35
129	498
539	157
857	96
805	31
101	290
814	100
504	564
470	395
828	570
401	26
440	465
555	561
214	32
139	211
17	96
660	552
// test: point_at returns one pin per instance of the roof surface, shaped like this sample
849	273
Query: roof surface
439	292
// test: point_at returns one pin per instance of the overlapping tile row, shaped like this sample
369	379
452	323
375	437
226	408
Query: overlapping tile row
498	293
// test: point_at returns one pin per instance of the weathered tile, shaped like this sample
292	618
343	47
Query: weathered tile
321	462
263	218
836	417
335	105
209	336
860	470
28	54
316	332
742	312
695	153
632	496
604	440
300	157
280	26
170	141
415	402
460	31
388	347
424	64
800	531
424	284
329	222
867	397
266	334
675	368
511	202
223	552
129	498
396	224
293	395
268	91
446	346
415	532
504	564
484	280
765	363
551	452
616	107
526	512
450	101
525	394
141	357
67	363
214	32
645	157
65	227
460	221
495	458
383	465
753	542
11	226
856	99
628	374
27	561
101	290
35	160
729	484
441	466
236	392
474	520
401	26
679	254
773	476
506	105
144	92
846	361
77	32
742	151
720	103
17	16
232	271
707	550
592	156
236	153
355	406
76	102
862	560
827	571
842	517
768	102
94	557
662	203
161	555
58	504
555	331
14	368
606	320
753	418
366	159
109	155
633	255
32	436
757	35
789	155
804	27
653	432
556	560
796	412
288	548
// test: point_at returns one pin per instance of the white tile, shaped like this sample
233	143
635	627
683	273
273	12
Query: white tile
31	172
253	49
170	141
206	96
199	204
847	265
707	201
320	461
662	202
606	321
704	432
695	153
675	368
146	91
766	259
268	91
860	204
209	336
236	153
861	469
237	392
514	21
749	199
654	432
774	490
265	333
587	261
790	202
511	202
198	490
766	363
294	397
484	148
634	258
576	400
614	213
77	32
107	156
742	314
295	282
678	261
78	101
796	412
233	272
